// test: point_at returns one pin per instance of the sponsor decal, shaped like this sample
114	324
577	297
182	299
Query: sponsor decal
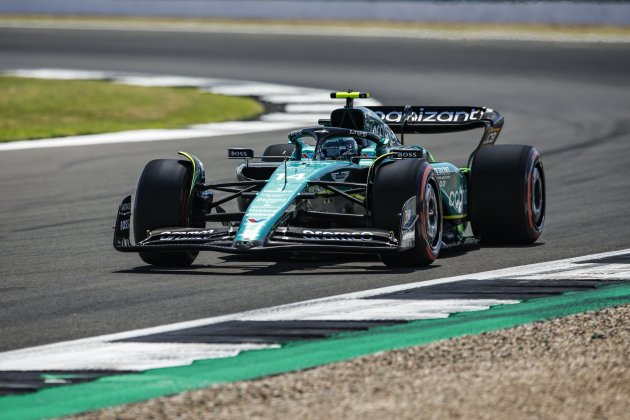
296	133
408	238
124	224
329	235
240	153
252	220
491	138
194	232
201	235
340	176
296	177
442	170
456	199
427	116
405	154
274	195
409	214
264	211
444	174
358	133
125	207
408	228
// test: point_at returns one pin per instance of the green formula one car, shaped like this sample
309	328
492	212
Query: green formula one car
348	185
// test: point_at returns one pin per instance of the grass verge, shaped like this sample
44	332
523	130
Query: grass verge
36	108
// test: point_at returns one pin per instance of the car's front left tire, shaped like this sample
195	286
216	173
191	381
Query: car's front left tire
396	182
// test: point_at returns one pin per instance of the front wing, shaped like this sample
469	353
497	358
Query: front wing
283	239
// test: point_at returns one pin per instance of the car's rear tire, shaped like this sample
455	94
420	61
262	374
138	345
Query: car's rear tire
394	183
507	194
161	201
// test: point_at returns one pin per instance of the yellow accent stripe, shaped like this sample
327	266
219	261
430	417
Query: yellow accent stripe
193	164
352	95
455	216
189	158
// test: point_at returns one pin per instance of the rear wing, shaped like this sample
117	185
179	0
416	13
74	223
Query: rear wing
441	119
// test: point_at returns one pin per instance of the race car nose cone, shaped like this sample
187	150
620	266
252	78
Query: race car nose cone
246	244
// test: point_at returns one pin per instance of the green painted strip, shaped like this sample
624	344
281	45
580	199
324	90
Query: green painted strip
121	389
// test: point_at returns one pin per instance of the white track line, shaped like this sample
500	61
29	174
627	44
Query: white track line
125	356
61	74
166	81
262	89
314	108
351	31
379	309
137	136
298	119
100	353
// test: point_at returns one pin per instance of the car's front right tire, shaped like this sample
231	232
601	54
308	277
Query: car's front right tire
161	201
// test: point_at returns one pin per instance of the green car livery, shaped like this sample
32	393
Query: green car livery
349	184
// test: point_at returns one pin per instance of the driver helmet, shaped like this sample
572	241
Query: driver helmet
338	148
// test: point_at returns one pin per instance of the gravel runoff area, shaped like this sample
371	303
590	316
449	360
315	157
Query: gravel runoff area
576	367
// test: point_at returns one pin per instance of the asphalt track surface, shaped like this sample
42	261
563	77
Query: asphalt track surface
61	278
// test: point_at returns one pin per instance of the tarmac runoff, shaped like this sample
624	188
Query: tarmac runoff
303	335
297	106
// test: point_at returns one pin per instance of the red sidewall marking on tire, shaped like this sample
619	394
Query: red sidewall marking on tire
425	235
533	156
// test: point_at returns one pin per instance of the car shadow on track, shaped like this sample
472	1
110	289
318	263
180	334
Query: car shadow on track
458	251
309	264
284	265
513	246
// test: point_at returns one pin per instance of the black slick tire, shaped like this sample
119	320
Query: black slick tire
394	183
161	201
507	196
